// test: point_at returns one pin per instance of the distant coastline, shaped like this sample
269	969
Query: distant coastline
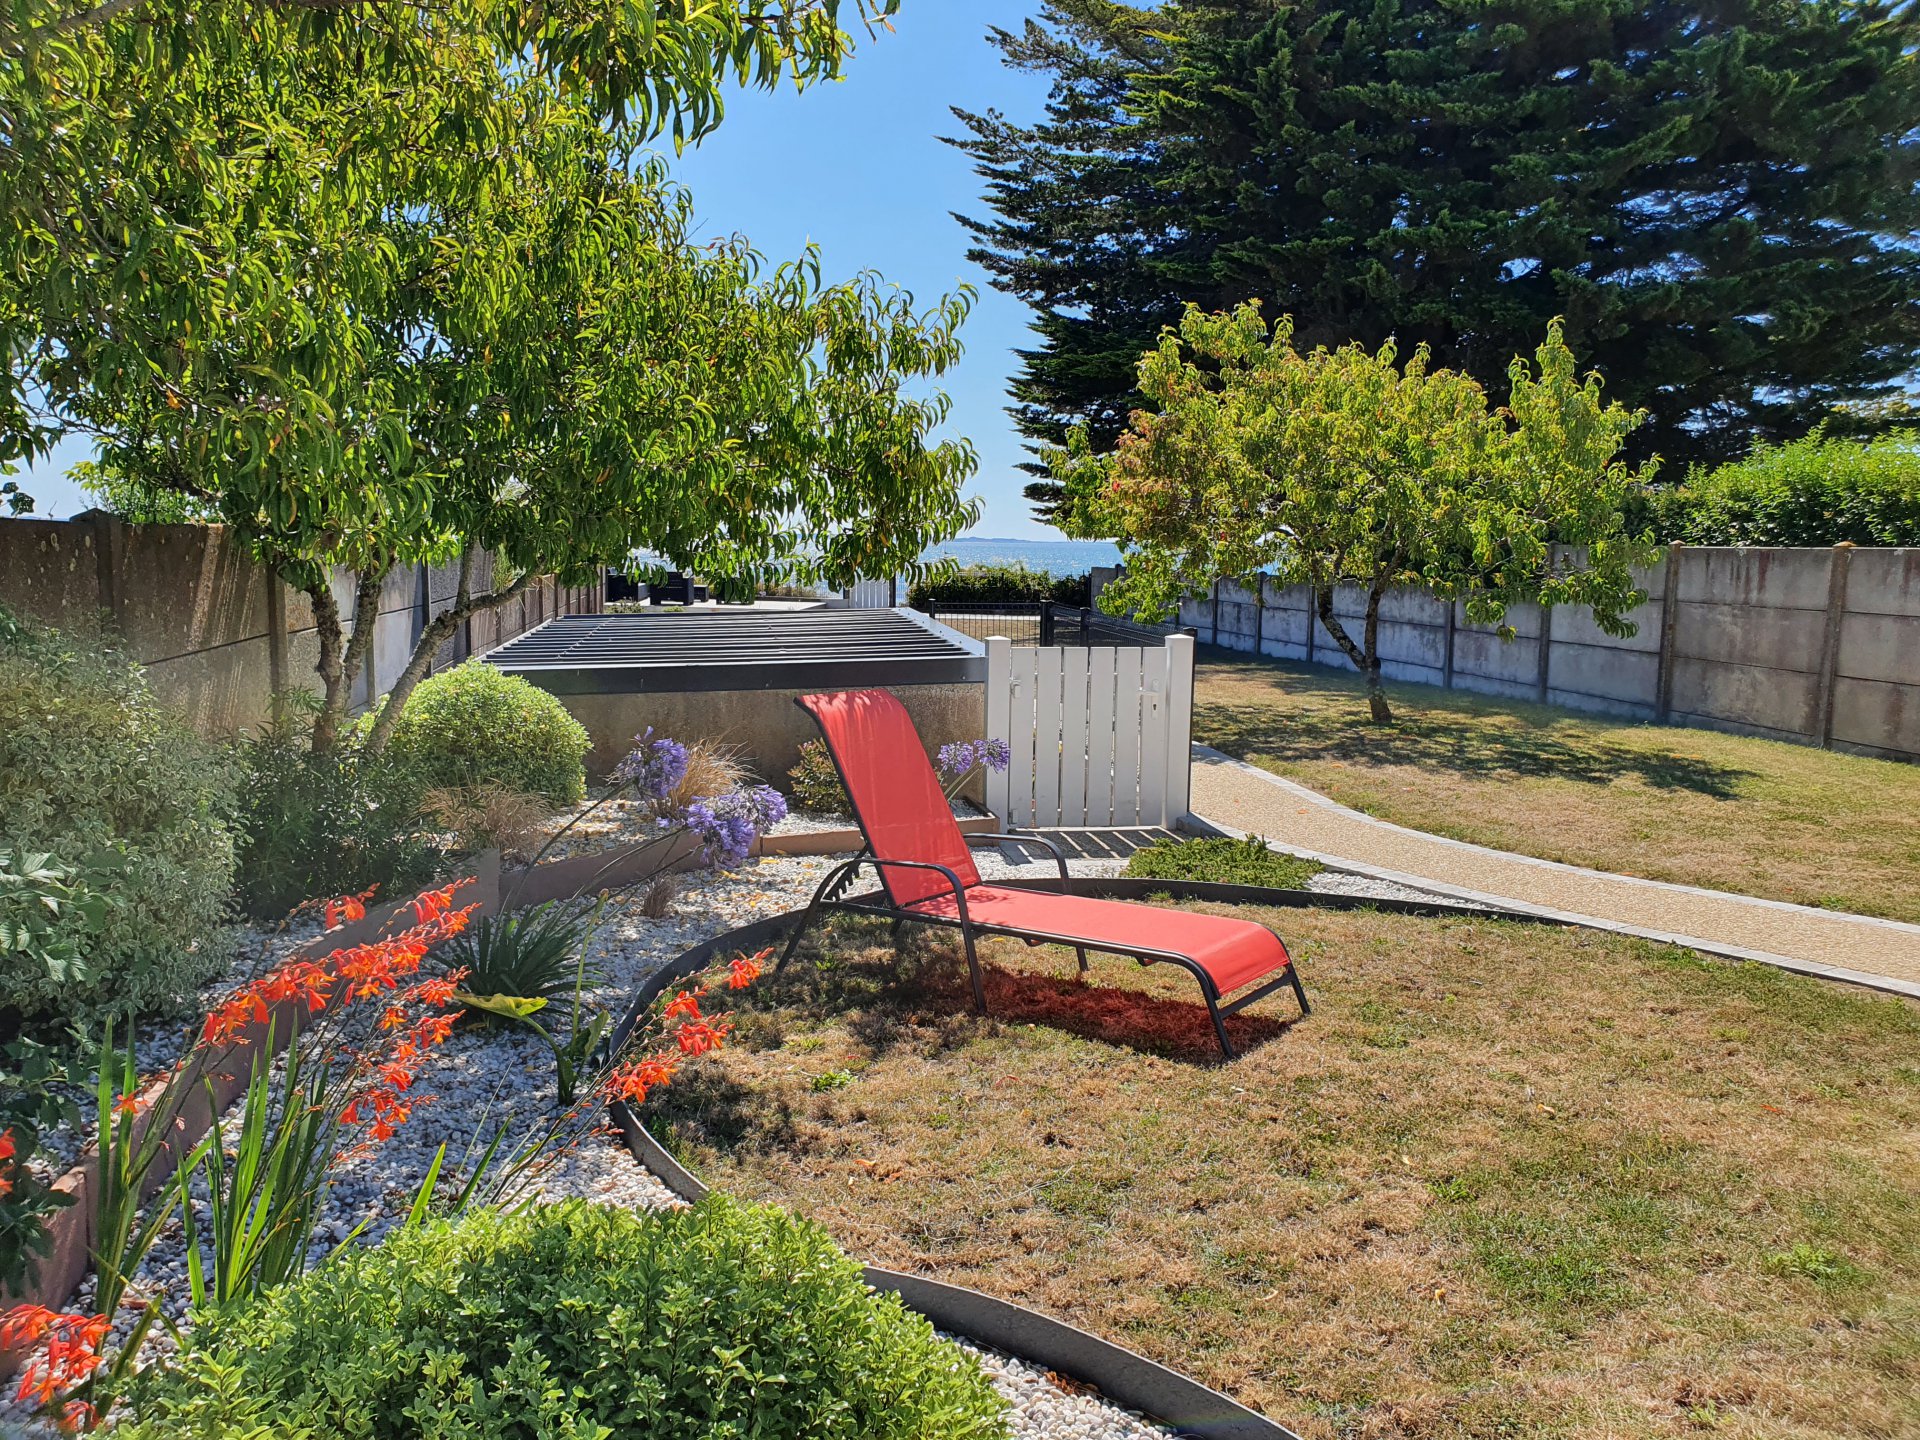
1054	557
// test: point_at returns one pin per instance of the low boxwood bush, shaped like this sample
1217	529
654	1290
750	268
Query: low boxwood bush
330	824
1816	491
102	783
475	725
1231	862
720	1322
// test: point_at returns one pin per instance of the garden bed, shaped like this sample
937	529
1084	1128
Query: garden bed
1507	1179
482	1078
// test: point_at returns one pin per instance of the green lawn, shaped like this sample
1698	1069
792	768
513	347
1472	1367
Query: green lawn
1761	817
1506	1180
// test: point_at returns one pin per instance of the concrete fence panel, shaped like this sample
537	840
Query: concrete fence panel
218	633
1818	646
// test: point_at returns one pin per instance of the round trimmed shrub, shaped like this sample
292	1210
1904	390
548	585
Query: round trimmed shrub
719	1322
474	725
97	774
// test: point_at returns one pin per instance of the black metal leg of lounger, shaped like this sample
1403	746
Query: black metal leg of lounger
973	970
1299	990
813	910
1219	1024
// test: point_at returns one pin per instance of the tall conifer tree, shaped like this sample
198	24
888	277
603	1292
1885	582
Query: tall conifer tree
1721	199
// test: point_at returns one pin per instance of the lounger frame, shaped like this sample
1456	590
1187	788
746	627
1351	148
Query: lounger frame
880	903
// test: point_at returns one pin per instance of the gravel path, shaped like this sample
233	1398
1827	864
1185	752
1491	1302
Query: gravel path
1241	797
483	1078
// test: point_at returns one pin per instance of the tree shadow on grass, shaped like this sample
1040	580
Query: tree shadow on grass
1441	730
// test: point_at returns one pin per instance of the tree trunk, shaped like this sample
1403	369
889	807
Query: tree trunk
1365	657
343	654
1376	693
438	631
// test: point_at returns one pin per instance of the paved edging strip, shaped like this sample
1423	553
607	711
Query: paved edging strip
1673	888
1526	909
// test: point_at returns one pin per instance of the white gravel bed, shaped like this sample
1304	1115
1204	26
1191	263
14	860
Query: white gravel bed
1341	882
1044	1409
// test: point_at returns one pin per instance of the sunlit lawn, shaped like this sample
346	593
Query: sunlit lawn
1762	817
1506	1181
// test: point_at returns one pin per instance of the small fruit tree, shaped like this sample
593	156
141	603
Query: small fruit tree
1344	467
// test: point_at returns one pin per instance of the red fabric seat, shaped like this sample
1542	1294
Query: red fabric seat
923	859
1232	952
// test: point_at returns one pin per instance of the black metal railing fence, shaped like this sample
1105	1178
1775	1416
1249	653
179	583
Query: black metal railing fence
1045	622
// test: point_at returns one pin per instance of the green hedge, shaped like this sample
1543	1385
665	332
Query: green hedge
324	825
475	725
720	1322
1815	491
1000	584
1230	862
98	774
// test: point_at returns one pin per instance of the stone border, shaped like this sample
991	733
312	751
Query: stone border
1527	910
1121	1375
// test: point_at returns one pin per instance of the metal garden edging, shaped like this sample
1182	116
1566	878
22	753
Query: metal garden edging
1120	1374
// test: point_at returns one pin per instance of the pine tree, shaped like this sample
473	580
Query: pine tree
1720	199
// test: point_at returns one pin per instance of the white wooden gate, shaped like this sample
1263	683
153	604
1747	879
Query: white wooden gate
873	595
1099	736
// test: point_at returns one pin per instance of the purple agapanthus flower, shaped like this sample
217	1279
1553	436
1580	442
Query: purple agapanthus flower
962	757
729	824
654	768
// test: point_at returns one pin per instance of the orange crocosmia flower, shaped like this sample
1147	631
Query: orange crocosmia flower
126	1105
687	1003
72	1349
697	1037
742	972
347	907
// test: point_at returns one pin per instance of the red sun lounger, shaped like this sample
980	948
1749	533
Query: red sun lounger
927	874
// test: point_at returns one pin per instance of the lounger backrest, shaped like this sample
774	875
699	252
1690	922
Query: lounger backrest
896	796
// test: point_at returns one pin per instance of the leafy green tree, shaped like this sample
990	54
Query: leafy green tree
1343	467
390	284
1720	201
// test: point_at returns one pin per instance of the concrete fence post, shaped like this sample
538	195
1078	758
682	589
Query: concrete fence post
1546	652
1259	611
1840	567
1213	628
1313	624
1446	661
1669	628
109	553
276	641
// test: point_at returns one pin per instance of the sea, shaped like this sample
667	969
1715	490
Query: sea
1054	557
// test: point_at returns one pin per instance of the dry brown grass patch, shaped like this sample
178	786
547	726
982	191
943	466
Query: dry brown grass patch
1507	1180
1761	817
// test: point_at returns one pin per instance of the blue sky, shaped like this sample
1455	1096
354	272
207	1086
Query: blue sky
858	169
